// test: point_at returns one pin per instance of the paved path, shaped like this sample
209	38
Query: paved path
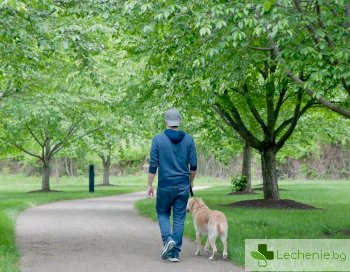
100	235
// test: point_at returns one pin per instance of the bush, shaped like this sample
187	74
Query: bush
239	183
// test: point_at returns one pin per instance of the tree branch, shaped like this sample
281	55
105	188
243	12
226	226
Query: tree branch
224	129
27	152
309	26
281	99
293	123
42	136
58	149
333	107
34	136
283	126
294	120
340	110
262	73
322	25
346	86
260	48
73	128
308	105
224	116
253	110
238	125
270	95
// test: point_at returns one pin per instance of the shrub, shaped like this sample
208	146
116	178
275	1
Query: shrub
239	183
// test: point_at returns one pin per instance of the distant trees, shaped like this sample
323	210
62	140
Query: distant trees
41	125
109	141
49	86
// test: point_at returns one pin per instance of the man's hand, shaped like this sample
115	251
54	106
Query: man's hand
150	192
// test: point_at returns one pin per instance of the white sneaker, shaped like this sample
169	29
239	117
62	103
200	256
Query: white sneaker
174	259
167	248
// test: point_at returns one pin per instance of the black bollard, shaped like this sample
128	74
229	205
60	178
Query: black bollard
91	178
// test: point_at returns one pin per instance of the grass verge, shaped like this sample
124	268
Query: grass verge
247	223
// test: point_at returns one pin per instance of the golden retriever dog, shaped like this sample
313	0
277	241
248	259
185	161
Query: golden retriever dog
210	223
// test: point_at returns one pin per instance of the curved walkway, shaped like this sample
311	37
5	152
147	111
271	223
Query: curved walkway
100	235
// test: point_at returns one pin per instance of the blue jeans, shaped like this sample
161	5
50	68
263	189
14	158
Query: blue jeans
175	198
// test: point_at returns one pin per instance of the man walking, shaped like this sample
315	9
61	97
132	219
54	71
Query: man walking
174	153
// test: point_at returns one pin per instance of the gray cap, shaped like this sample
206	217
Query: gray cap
172	118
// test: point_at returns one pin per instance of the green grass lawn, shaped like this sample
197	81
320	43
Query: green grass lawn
247	223
14	198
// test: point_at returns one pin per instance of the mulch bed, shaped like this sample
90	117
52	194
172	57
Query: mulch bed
329	234
242	193
272	204
346	232
46	191
262	189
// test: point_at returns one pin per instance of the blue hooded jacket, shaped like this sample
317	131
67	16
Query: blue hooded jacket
174	153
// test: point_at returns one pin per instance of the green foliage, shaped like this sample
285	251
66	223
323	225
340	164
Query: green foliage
120	64
197	73
64	70
268	4
238	183
201	56
133	154
309	173
319	128
44	118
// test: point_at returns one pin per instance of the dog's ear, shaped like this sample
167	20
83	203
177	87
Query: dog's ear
192	202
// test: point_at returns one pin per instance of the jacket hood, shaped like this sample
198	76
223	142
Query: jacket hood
175	136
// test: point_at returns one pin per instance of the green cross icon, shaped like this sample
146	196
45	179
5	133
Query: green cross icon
262	255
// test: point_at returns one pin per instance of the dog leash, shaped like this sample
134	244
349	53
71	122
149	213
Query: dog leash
191	191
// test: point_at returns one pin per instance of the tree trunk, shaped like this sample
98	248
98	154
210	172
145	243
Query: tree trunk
71	167
66	166
46	176
247	166
106	161
57	170
269	172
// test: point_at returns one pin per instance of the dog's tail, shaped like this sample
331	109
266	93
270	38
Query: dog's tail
220	230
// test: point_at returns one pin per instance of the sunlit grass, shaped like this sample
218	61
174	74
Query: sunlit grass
247	223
